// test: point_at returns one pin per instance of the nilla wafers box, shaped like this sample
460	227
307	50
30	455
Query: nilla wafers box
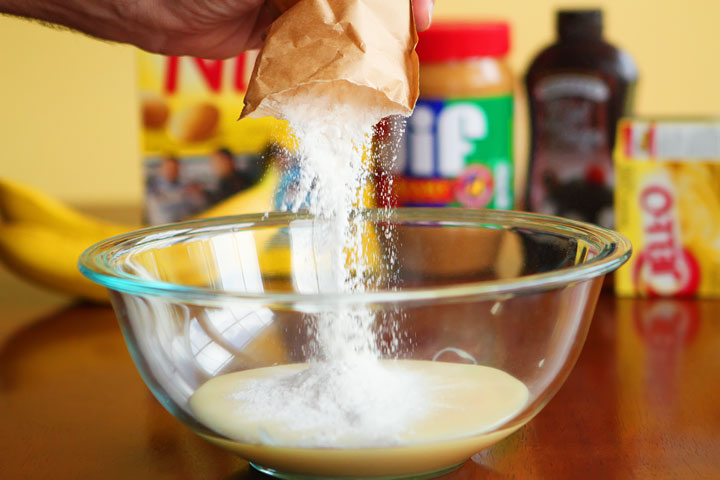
195	150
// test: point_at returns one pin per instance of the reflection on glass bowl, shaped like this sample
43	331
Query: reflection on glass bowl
489	308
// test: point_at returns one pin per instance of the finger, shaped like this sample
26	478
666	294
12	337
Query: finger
422	10
266	16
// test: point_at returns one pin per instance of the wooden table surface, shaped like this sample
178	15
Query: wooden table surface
642	402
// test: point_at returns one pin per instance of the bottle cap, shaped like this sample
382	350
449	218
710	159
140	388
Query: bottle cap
461	40
580	24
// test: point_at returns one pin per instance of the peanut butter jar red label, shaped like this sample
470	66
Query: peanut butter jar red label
457	153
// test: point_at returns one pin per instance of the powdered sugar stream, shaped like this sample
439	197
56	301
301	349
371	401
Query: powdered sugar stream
345	389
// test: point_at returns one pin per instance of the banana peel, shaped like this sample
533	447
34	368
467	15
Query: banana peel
47	257
42	238
23	205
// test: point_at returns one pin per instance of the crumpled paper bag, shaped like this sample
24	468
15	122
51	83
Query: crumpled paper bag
357	52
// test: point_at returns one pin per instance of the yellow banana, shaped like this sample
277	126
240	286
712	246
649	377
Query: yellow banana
21	204
47	257
253	200
41	238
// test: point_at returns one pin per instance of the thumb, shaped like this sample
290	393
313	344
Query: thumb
422	10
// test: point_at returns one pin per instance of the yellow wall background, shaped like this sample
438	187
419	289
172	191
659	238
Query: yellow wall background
68	121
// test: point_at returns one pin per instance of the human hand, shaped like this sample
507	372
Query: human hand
200	28
423	10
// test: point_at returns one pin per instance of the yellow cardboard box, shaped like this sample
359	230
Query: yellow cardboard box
667	202
195	151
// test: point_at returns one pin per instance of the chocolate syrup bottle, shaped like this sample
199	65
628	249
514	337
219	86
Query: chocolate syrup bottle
577	88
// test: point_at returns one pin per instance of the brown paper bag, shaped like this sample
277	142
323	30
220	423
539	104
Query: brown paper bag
356	52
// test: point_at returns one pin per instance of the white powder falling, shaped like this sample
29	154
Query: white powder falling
345	392
332	140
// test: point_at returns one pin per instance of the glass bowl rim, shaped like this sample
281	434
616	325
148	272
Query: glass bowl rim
614	250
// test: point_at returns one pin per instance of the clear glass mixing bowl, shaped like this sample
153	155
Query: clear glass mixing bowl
507	290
